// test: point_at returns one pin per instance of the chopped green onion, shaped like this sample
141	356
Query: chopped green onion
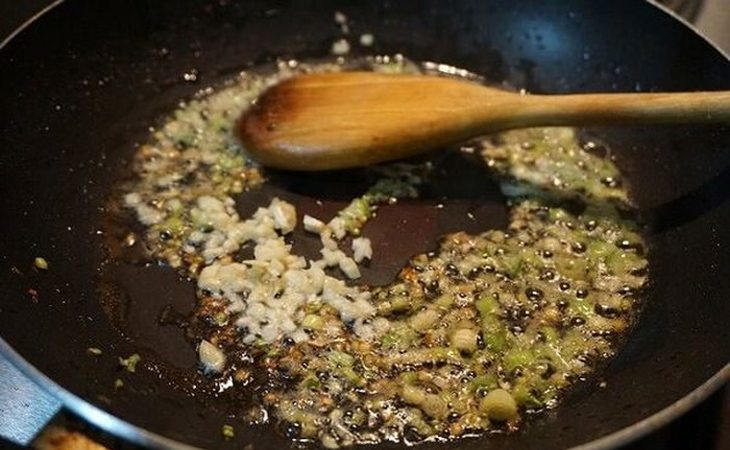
499	405
228	432
340	359
313	322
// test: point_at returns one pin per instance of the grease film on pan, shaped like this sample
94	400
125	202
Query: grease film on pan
466	338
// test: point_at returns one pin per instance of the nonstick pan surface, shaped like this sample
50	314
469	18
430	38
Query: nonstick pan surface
80	86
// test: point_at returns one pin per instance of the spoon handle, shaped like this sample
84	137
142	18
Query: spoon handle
591	109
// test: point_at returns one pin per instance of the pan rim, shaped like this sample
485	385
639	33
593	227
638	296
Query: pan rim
29	22
141	436
121	428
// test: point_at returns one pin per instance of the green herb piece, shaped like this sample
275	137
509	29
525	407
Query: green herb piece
495	339
228	432
511	264
313	322
311	382
130	363
409	377
340	359
518	358
220	318
486	305
484	383
522	395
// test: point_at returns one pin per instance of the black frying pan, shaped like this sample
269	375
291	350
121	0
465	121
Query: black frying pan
79	87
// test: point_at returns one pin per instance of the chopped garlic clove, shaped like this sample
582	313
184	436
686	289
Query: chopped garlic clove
367	39
332	257
362	249
338	227
349	268
328	241
340	47
285	215
211	357
312	224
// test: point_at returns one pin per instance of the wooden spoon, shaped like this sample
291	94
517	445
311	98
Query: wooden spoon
337	120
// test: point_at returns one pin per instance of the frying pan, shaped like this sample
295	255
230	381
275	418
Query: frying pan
80	86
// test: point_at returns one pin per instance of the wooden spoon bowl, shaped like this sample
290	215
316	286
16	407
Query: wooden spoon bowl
338	120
